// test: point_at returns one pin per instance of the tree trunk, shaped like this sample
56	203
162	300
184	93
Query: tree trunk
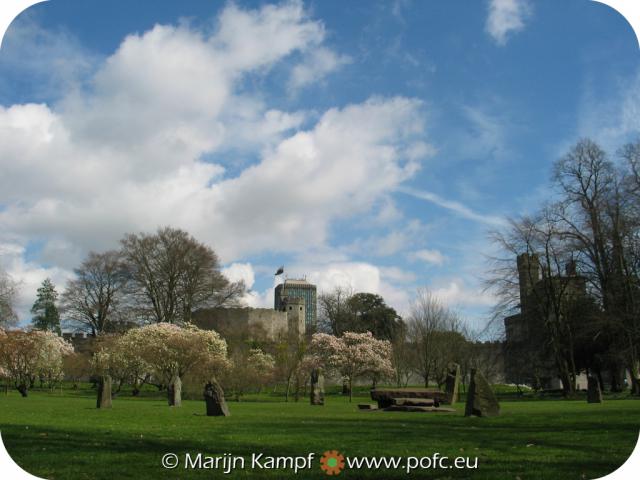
22	388
296	396
345	387
287	390
350	390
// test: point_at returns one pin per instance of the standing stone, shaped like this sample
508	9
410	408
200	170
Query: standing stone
174	392
452	384
214	398
594	394
481	401
317	387
104	392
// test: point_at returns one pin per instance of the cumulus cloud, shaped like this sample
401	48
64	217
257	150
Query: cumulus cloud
144	145
505	18
240	272
29	276
457	293
363	277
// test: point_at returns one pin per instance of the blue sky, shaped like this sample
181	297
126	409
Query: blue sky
370	144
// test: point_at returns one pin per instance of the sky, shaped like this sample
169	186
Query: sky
372	145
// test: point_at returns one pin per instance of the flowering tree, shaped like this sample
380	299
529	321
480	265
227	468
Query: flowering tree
118	356
254	368
353	355
170	352
25	356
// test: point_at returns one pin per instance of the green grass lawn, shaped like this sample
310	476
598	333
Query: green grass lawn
63	436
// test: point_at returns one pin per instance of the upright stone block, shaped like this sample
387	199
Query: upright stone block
317	387
174	392
481	401
214	399
452	384
104	392
594	393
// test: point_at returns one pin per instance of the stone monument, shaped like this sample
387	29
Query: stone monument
104	392
317	387
214	398
481	401
452	384
174	392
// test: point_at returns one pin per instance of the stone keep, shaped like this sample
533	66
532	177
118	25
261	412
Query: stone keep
481	401
317	387
452	384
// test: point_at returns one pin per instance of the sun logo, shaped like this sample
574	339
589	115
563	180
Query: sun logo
332	462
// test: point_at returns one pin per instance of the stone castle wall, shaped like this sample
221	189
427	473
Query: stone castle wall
273	324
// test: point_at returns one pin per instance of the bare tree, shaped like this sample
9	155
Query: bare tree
429	322
173	274
91	301
600	217
8	293
335	315
402	356
544	293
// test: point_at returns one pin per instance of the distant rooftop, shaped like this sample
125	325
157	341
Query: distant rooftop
294	281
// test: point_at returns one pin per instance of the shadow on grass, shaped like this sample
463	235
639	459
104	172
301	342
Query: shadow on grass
530	441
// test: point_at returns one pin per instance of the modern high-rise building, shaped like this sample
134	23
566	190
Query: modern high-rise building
298	289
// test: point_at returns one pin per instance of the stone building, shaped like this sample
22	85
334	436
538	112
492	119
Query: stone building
526	359
82	343
300	288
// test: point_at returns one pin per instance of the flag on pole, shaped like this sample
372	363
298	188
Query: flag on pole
280	270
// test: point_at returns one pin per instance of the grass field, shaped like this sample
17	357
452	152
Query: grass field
61	435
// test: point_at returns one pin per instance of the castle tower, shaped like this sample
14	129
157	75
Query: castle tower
296	316
528	276
298	288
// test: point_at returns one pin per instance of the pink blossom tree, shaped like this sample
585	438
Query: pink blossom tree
353	355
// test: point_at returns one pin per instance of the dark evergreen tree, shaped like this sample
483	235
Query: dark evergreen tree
44	310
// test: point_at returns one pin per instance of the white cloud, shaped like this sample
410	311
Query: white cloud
362	277
128	154
240	271
29	276
315	66
456	293
506	17
454	206
613	121
429	256
52	61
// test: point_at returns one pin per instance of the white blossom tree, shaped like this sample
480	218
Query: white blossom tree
253	368
26	356
170	352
